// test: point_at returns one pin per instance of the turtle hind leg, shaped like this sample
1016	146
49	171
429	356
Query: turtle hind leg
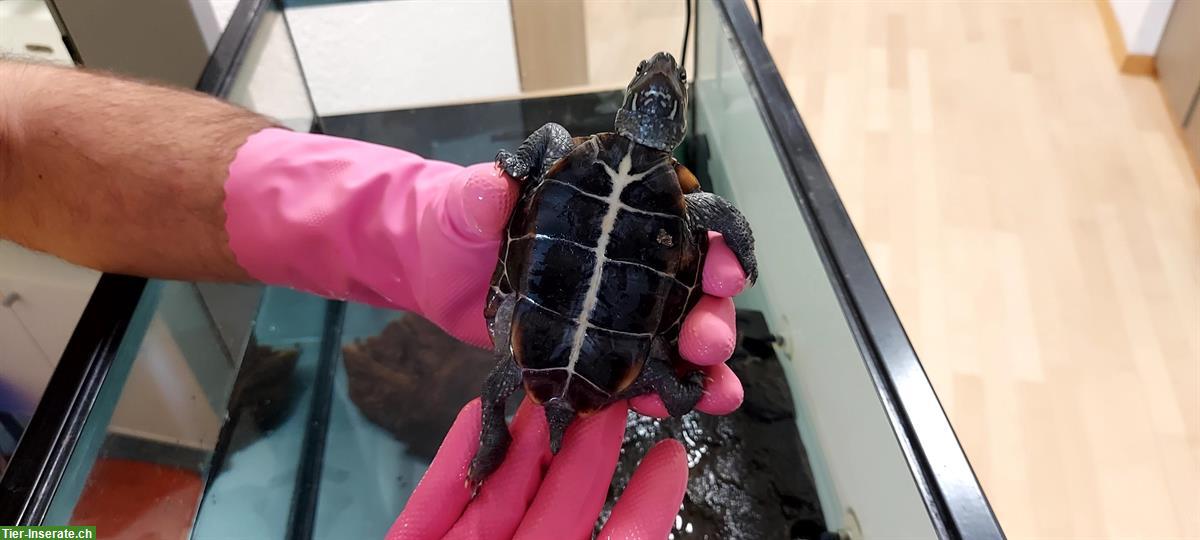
679	394
711	212
545	146
494	437
504	379
559	415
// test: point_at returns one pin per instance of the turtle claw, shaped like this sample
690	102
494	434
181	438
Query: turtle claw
472	484
512	164
686	394
476	476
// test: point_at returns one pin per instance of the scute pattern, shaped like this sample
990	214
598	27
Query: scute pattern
635	237
607	366
630	298
577	336
551	273
539	350
659	193
563	211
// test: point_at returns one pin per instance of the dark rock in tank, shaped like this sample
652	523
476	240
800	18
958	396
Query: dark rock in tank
262	395
412	379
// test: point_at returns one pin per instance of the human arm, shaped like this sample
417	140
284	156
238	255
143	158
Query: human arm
118	175
128	177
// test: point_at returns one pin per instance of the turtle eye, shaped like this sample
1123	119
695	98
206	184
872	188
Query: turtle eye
682	75
641	67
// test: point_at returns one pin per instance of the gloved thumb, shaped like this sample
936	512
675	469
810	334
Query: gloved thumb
480	203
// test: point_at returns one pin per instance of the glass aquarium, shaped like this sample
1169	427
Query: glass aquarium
218	411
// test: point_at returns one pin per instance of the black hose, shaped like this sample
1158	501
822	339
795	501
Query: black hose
687	26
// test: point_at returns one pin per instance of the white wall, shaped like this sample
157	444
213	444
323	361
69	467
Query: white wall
387	54
1142	23
212	16
392	54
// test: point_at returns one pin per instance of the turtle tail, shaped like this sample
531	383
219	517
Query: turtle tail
559	415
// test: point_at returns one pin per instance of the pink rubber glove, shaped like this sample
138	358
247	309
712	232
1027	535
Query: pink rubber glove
347	219
534	495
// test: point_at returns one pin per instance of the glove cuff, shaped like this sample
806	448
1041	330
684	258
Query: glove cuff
331	216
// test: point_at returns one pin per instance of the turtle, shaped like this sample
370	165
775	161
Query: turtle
600	263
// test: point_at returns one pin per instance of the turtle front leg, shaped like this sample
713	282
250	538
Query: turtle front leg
679	394
711	212
545	146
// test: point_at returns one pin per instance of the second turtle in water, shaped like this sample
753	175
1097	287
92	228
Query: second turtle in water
601	263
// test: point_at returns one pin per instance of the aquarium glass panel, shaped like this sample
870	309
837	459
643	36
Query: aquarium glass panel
858	464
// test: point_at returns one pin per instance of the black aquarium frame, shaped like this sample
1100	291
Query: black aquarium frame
948	486
956	503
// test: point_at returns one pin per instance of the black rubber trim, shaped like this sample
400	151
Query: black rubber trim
222	67
33	474
68	42
41	456
303	516
318	124
956	503
11	426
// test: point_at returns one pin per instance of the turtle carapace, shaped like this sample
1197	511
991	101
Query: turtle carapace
600	264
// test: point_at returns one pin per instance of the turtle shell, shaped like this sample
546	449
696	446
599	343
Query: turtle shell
603	261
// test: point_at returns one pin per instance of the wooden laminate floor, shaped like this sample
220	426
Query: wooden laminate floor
1036	222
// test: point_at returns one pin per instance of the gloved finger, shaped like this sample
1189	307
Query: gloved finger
649	504
498	508
452	270
723	274
575	486
442	494
479	206
709	331
723	394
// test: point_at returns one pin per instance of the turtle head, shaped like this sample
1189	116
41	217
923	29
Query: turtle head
655	104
